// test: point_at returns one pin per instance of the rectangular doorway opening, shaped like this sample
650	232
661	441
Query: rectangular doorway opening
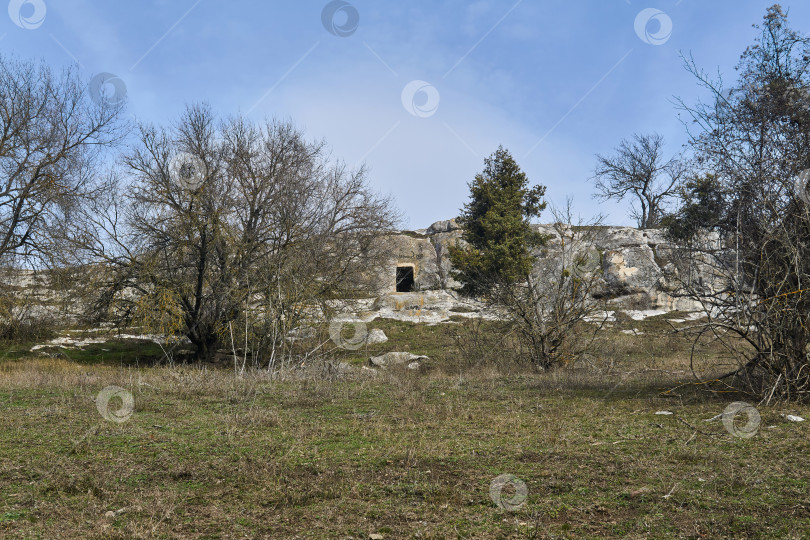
404	278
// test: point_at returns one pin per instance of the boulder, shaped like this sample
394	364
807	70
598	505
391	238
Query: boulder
396	359
447	225
376	336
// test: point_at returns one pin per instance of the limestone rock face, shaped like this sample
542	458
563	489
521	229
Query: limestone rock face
427	254
640	268
630	270
418	251
428	307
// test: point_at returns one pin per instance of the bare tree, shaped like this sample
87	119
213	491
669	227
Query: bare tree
638	170
231	227
51	134
754	139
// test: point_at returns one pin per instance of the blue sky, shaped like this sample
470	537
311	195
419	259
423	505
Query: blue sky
553	81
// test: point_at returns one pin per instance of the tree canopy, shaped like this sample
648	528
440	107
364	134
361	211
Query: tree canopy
496	223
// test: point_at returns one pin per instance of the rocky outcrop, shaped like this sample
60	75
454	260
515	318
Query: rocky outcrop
448	225
639	268
638	271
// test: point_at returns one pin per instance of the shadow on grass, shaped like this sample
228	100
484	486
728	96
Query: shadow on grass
668	388
134	353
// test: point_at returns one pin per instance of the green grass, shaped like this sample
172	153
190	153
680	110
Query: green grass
112	352
405	455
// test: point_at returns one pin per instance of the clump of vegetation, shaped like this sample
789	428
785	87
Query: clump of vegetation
233	235
496	225
753	143
543	299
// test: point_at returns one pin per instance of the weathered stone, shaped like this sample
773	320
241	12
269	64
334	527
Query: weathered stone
435	300
640	268
395	359
629	270
376	335
428	307
301	332
444	226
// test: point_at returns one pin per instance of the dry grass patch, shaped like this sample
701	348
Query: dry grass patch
207	454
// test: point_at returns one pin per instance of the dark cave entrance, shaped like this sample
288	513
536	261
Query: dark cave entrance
404	278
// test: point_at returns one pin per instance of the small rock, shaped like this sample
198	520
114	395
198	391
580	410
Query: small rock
642	491
793	418
110	514
376	336
375	536
666	413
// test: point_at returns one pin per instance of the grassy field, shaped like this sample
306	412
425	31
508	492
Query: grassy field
406	454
